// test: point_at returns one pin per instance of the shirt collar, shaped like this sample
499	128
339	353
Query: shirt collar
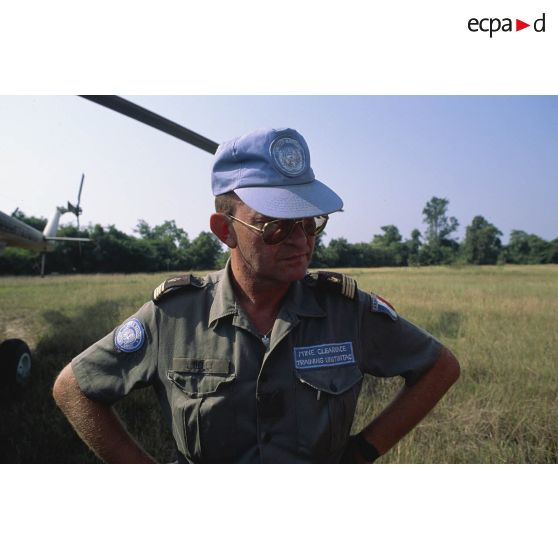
300	299
224	301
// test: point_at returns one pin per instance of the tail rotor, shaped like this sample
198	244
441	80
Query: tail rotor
76	209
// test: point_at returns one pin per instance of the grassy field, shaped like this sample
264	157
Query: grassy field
500	321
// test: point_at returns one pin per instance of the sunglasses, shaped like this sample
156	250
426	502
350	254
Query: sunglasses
278	230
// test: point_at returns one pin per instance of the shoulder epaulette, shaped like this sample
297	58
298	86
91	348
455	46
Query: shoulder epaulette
176	283
336	282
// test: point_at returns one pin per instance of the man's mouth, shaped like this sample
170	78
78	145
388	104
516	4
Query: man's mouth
296	257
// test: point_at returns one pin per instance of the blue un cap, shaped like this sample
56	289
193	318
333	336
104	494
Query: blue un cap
269	170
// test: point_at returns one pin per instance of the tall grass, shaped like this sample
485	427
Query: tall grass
59	317
500	322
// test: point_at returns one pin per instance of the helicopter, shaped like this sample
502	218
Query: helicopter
14	232
15	356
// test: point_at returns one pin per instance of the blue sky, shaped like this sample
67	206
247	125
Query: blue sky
386	156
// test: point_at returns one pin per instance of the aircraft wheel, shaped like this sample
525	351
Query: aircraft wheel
15	362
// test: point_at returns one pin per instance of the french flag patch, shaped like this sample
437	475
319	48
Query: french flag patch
379	304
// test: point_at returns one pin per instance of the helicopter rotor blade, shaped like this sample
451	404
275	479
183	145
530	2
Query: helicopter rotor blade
80	187
78	209
141	114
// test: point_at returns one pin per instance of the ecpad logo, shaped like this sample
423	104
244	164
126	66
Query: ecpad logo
493	25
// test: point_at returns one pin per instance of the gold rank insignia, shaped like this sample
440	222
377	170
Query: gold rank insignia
337	282
175	283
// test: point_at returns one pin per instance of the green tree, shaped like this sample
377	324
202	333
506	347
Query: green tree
144	230
391	236
18	261
365	254
170	242
440	247
439	225
38	223
388	247
204	251
319	258
116	252
221	261
167	231
339	253
552	251
413	248
69	257
525	248
482	244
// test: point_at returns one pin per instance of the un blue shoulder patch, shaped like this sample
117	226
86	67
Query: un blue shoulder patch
129	337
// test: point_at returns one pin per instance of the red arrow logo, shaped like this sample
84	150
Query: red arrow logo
519	25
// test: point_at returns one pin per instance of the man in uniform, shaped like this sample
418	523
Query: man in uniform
259	362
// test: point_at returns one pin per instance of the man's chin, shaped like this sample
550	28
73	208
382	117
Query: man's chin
295	271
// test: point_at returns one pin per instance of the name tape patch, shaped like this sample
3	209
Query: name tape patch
129	337
321	356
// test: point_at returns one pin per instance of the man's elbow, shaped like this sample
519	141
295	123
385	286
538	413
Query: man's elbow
63	387
450	366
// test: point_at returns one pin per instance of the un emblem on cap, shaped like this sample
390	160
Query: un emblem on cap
288	156
129	336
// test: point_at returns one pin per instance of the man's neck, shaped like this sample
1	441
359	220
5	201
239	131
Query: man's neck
261	299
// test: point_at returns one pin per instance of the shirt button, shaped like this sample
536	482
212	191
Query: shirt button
266	437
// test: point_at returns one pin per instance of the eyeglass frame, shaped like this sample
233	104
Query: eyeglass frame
294	221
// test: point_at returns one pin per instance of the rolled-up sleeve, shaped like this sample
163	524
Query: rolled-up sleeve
109	370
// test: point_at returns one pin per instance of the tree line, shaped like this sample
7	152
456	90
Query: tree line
481	245
167	247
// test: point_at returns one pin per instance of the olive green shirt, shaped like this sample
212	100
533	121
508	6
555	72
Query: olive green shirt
228	398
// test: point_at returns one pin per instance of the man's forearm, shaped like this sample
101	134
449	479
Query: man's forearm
96	423
412	404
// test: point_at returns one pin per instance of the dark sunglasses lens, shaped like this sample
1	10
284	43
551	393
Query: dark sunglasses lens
276	231
309	226
320	223
315	225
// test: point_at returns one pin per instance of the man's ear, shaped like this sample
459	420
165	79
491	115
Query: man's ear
221	227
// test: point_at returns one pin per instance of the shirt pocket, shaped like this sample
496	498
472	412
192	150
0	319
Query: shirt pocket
333	380
197	377
326	404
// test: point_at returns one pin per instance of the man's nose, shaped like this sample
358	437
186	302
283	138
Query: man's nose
298	236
